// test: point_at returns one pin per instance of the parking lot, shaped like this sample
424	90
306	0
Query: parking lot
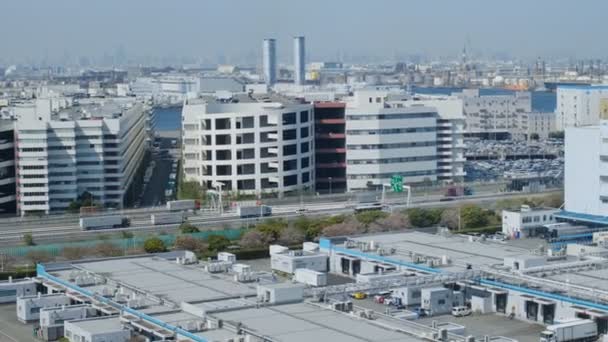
491	324
475	324
12	330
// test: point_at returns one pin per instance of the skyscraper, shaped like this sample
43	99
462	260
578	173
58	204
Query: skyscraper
270	61
299	60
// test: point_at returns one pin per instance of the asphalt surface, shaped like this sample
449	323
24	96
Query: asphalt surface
154	192
493	325
477	325
66	228
12	330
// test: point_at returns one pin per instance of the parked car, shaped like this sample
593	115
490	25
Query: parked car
460	311
359	295
420	312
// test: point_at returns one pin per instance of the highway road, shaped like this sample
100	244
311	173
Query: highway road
65	228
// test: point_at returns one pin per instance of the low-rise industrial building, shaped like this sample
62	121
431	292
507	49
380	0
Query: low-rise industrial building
487	273
52	319
160	297
11	289
108	329
289	261
526	221
28	307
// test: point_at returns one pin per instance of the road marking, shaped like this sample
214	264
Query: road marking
9	337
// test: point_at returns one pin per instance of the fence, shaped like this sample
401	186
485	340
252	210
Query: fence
126	244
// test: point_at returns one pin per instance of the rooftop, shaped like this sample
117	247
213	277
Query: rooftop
177	283
305	322
99	325
107	109
225	97
459	250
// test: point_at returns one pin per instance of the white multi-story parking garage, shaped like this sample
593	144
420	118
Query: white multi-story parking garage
252	145
61	154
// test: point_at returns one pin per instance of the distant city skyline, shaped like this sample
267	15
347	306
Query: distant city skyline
232	31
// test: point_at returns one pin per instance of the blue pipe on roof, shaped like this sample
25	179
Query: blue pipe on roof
488	282
544	294
41	271
384	259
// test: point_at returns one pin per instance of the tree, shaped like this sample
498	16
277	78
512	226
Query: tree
107	249
424	217
28	239
302	223
473	216
36	257
271	229
534	136
189	243
315	228
291	236
253	239
450	218
74	207
188	228
553	200
154	245
74	253
126	234
217	243
367	217
190	190
85	199
340	229
395	221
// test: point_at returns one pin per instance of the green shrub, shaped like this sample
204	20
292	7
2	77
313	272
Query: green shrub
424	217
154	245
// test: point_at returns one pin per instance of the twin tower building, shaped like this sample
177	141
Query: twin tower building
270	60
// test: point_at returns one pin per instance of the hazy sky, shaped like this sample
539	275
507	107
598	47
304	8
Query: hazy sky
208	29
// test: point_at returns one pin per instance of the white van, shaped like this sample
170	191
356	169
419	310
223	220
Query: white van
460	311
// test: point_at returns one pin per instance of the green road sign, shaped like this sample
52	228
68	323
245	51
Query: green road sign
397	183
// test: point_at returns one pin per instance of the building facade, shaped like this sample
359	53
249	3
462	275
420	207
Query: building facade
580	106
539	124
390	134
60	155
522	222
450	132
330	147
8	204
382	141
494	116
250	145
586	170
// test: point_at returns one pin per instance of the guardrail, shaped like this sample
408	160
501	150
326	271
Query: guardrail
41	271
